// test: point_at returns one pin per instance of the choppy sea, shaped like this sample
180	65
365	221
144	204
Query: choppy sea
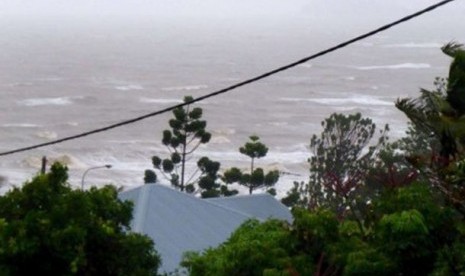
60	76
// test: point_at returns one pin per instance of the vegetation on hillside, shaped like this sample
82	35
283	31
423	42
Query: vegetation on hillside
386	209
47	228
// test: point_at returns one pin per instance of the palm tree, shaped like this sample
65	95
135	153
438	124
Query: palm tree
440	114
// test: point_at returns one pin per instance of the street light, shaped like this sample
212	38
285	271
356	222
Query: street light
108	166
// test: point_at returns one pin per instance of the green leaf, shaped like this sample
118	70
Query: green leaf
175	142
166	137
180	115
257	178
271	178
188	99
156	161
205	138
190	188
196	113
175	158
232	175
150	176
175	124
167	165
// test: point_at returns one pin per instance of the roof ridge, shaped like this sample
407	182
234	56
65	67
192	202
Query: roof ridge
231	209
139	211
239	196
247	215
232	198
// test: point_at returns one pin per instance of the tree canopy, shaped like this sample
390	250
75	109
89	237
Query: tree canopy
438	115
47	228
368	209
406	232
340	163
256	178
187	133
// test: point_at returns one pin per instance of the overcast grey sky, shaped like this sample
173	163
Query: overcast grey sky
212	7
358	15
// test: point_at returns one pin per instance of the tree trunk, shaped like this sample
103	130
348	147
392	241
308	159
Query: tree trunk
251	172
183	162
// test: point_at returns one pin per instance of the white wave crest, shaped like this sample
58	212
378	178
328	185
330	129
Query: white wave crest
355	100
278	124
72	124
413	45
45	101
49	135
50	79
168	101
187	87
25	125
160	101
224	131
305	65
219	140
395	66
65	159
129	87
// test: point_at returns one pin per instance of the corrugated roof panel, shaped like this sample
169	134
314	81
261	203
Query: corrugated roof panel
261	206
179	222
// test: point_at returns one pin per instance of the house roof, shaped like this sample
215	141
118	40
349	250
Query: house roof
259	206
178	222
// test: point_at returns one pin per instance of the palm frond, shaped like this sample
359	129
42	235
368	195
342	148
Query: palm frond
425	111
452	48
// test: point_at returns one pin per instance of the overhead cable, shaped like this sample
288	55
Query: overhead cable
234	86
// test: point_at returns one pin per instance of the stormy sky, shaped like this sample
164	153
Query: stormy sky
218	8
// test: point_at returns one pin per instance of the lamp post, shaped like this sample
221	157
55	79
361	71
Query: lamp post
108	166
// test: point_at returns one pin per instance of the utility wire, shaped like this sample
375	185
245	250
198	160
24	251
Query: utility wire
237	85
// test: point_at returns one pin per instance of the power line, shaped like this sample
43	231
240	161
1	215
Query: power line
237	85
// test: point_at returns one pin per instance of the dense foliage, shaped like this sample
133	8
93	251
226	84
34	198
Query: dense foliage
439	115
387	209
340	163
46	228
407	232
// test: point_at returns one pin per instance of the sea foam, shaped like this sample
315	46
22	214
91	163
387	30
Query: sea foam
49	135
21	125
395	66
187	87
306	65
414	45
160	101
219	140
66	159
129	87
354	100
168	101
45	101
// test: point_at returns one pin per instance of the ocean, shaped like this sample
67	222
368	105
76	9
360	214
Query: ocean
63	73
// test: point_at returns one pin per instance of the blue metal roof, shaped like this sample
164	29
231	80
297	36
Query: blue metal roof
178	222
260	206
